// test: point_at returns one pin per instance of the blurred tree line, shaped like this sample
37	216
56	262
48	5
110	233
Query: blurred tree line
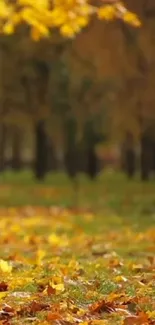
60	98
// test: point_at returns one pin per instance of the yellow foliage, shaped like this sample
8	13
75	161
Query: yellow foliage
40	255
57	284
59	287
151	314
5	10
67	30
54	239
39	4
3	295
132	19
107	12
8	28
69	16
5	267
35	34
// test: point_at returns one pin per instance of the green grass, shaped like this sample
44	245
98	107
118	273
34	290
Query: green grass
110	192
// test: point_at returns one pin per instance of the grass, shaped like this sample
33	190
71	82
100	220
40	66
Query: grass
110	190
65	266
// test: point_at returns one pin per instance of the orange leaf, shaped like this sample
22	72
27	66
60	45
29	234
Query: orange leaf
141	319
102	306
8	309
53	316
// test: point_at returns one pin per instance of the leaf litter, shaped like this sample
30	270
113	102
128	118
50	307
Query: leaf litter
55	269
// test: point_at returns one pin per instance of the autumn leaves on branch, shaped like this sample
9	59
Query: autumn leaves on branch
68	16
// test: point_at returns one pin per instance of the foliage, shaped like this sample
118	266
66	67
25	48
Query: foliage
69	16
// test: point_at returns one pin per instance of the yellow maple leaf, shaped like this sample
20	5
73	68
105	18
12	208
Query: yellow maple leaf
36	4
107	12
36	34
8	29
5	10
40	255
73	264
3	295
54	239
57	284
57	17
131	19
5	266
43	30
67	30
121	278
151	314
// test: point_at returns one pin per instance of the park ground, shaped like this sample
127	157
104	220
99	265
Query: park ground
76	258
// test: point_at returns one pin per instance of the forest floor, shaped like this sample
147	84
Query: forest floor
90	265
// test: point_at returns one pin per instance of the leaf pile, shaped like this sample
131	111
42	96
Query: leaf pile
65	267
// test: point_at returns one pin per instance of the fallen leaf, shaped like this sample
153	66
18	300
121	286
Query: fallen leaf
140	319
33	308
121	278
57	284
102	306
6	314
37	306
3	295
50	290
3	286
5	267
53	316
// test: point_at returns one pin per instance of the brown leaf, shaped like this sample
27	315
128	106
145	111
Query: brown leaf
8	309
50	290
37	306
33	308
6	314
102	306
3	286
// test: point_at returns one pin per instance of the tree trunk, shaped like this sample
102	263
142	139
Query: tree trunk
92	163
51	157
3	137
16	148
146	157
153	157
129	156
71	148
130	163
41	157
71	161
